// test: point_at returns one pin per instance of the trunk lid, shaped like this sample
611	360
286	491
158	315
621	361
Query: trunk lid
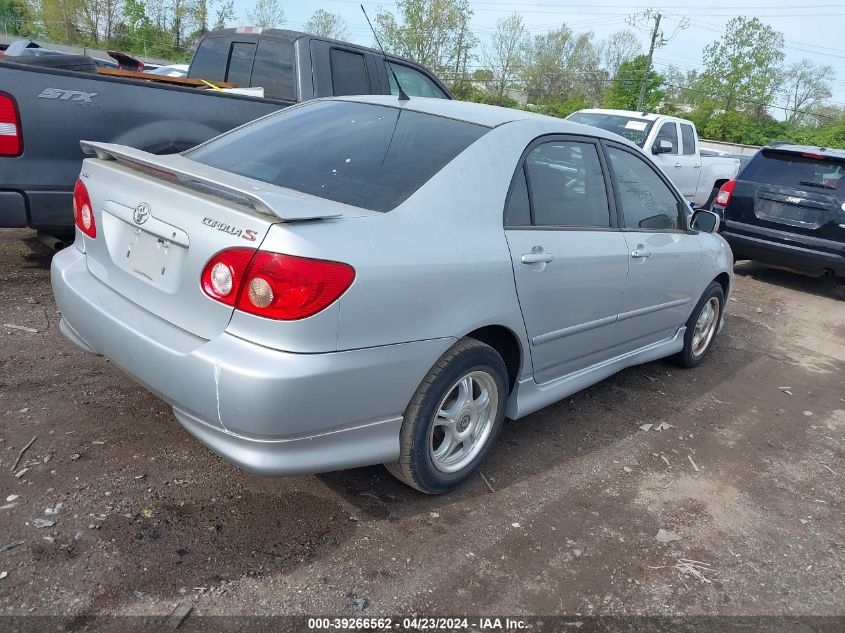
159	220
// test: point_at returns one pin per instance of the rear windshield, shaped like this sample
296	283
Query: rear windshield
797	171
360	154
635	130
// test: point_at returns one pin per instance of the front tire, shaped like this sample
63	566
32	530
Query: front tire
453	419
702	326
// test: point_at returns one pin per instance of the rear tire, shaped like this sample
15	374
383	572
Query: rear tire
702	326
453	419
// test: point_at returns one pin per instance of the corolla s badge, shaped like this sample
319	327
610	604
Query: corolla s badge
141	213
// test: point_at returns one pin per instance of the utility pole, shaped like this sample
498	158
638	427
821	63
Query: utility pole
640	21
644	81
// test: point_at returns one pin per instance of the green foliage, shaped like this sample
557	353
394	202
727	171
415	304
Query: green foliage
624	90
562	108
15	17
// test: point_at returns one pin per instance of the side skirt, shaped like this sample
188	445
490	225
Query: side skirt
528	396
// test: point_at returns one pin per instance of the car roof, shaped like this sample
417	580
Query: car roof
807	149
483	114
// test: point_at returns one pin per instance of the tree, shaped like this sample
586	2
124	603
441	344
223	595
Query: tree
327	24
504	55
618	48
225	14
806	86
560	65
434	33
266	14
14	17
743	69
625	88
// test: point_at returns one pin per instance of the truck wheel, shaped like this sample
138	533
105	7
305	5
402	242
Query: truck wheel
79	63
702	326
453	418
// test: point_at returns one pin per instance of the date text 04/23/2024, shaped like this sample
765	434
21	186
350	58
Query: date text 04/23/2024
417	624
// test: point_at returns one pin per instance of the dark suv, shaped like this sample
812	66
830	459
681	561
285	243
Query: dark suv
786	209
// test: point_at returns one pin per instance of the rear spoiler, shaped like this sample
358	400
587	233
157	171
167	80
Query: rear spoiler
264	198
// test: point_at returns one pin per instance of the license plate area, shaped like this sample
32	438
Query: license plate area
791	214
152	258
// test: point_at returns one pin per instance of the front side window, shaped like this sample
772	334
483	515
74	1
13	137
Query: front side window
688	137
668	132
647	202
414	83
567	185
359	154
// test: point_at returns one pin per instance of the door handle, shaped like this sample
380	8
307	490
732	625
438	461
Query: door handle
677	164
640	252
536	256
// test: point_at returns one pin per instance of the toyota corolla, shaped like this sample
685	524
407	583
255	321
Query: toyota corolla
366	280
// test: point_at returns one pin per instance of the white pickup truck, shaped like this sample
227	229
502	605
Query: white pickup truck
674	143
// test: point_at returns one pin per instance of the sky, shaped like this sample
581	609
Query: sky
815	31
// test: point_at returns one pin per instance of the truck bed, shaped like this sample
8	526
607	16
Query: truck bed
57	108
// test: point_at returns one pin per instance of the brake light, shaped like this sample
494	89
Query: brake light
812	155
725	192
222	276
83	210
274	285
11	142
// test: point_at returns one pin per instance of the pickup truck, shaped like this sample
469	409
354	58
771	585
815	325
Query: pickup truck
674	144
45	111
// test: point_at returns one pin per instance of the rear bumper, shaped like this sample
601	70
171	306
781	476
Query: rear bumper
267	411
45	210
802	254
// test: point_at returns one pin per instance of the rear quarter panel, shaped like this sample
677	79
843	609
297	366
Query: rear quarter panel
437	266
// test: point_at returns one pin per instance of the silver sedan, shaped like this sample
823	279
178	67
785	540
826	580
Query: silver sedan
366	280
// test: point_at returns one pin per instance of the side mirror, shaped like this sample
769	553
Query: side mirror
662	147
705	221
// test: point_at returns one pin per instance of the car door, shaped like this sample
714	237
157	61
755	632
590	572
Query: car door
664	255
673	163
688	163
570	261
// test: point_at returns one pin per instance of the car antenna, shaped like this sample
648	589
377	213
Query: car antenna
402	95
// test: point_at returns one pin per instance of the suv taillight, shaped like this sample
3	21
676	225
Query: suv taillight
11	143
83	210
724	195
274	285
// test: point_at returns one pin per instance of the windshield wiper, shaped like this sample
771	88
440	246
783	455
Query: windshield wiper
820	185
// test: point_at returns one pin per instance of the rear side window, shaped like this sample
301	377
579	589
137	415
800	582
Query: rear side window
567	185
349	73
240	64
518	210
210	60
273	70
356	153
798	171
688	137
414	83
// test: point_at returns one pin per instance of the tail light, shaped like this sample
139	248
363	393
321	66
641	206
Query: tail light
273	285
725	192
11	142
83	210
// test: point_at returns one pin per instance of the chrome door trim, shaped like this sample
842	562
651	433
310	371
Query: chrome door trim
655	308
572	329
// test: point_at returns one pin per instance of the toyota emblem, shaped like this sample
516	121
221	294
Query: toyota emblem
141	213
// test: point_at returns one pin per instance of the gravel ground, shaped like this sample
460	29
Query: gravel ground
747	475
